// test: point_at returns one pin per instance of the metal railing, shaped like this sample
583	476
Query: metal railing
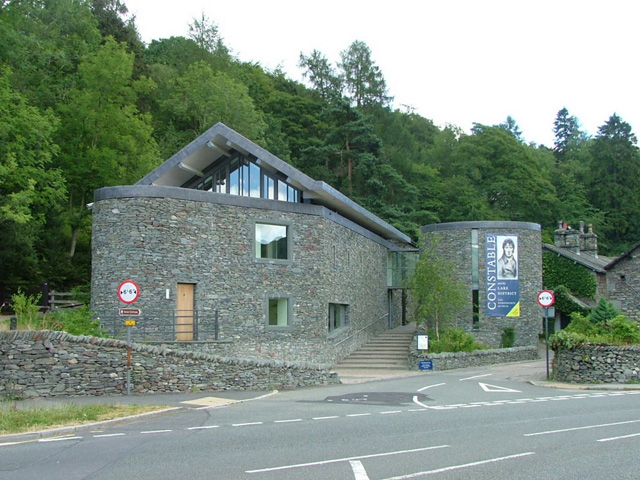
386	315
169	325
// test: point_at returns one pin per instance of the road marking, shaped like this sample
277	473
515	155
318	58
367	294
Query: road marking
358	470
476	376
587	427
619	438
248	424
390	412
205	427
458	467
288	421
346	459
494	388
362	414
149	432
326	418
106	435
58	439
431	386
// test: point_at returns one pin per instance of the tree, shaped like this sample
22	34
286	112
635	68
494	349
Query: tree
567	132
206	35
29	186
363	79
323	77
437	292
106	140
615	182
511	126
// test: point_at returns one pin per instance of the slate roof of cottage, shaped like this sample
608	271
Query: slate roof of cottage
596	263
220	141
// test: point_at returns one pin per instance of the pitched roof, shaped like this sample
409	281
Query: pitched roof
626	254
596	263
221	140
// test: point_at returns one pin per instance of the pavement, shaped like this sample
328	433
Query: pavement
533	372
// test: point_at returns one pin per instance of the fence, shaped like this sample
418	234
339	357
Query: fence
167	325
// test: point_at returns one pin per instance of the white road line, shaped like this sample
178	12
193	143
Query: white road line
346	459
149	432
431	386
360	414
587	427
390	412
325	418
619	438
358	470
248	424
288	421
205	427
458	467
476	376
107	435
58	439
494	388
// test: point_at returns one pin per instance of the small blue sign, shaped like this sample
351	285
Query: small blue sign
425	365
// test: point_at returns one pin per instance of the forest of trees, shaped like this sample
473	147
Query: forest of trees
85	104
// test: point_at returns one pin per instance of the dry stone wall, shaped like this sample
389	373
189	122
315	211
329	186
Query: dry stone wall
597	364
49	364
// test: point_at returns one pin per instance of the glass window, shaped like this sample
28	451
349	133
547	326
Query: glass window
337	316
282	191
272	241
278	312
254	173
234	177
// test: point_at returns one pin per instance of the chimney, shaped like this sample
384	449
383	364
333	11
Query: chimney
566	237
589	242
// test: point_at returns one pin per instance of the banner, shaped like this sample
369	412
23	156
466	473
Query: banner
502	275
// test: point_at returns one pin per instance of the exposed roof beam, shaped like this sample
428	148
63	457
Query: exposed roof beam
189	168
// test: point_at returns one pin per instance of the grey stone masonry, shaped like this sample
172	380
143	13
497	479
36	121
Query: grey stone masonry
207	240
597	364
455	244
49	364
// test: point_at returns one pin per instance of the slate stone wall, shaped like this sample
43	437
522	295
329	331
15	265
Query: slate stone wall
597	364
208	241
455	245
49	364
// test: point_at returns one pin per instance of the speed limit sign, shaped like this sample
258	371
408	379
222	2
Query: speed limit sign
128	291
546	298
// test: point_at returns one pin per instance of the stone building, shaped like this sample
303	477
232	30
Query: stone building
235	252
500	265
617	278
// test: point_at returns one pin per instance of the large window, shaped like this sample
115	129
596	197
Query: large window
240	176
338	316
272	241
278	312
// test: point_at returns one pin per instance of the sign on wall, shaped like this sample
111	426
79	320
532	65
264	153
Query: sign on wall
502	275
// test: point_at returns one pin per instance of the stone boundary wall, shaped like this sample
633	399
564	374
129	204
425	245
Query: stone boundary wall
597	364
49	364
449	361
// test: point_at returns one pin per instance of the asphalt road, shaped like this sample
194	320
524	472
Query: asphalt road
475	423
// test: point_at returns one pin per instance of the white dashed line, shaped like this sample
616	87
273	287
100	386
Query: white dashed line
288	421
206	427
248	424
151	432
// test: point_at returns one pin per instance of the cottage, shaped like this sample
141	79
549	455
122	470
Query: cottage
235	252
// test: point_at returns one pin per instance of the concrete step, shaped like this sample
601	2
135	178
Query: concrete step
388	351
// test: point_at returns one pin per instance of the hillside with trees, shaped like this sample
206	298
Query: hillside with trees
85	104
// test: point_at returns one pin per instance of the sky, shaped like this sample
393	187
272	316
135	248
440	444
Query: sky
456	62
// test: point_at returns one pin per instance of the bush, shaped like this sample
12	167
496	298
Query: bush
77	321
508	337
454	340
27	310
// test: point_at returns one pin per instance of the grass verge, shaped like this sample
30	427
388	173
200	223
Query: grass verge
15	419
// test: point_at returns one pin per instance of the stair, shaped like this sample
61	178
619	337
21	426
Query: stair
388	351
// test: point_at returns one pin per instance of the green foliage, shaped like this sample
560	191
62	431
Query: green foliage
604	311
437	294
455	340
566	277
616	330
77	321
27	309
508	337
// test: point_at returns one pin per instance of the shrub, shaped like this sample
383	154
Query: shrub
508	337
27	310
455	340
77	321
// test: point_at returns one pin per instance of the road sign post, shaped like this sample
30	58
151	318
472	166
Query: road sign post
129	292
546	299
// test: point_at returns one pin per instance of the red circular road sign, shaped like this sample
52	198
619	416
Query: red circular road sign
546	298
128	291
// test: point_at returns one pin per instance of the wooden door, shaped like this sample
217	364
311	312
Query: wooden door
184	312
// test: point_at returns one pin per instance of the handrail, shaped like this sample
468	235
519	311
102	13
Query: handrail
358	331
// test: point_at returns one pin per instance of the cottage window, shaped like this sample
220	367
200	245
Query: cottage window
272	241
278	312
338	316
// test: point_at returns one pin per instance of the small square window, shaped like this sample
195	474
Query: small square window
338	316
272	241
278	312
